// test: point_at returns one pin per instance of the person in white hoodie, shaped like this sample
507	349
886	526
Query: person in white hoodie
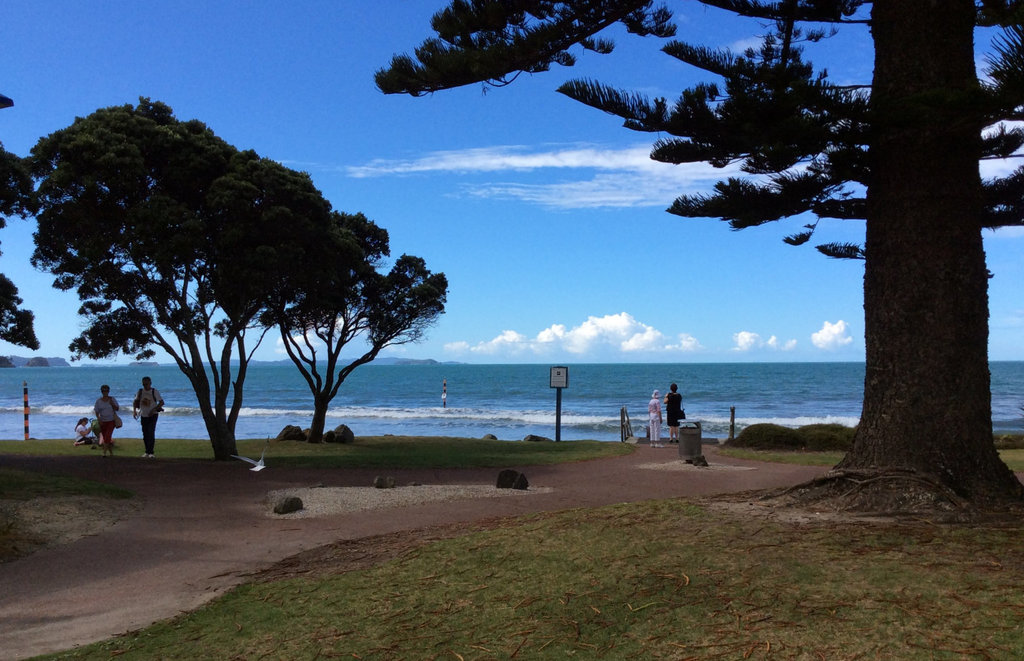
654	415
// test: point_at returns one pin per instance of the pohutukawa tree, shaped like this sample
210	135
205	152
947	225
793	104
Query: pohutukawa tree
174	239
16	324
900	152
343	300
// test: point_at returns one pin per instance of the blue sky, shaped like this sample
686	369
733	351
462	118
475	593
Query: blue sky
546	216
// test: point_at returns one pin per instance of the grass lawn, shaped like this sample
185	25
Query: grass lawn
673	579
653	580
366	452
1013	458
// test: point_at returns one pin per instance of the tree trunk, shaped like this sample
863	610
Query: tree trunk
316	428
222	438
222	434
927	403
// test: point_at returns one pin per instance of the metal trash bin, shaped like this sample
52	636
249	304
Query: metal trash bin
689	439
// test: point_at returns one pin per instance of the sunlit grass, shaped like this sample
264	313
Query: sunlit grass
367	451
1013	458
653	580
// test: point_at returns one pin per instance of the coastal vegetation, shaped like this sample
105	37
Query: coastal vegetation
17	325
818	437
899	152
174	239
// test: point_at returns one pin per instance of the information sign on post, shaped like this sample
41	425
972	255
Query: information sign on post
559	377
559	380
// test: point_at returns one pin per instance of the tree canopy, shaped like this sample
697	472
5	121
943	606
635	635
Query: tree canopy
172	238
900	151
16	324
343	298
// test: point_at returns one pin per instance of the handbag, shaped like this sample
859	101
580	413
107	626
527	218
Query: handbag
117	421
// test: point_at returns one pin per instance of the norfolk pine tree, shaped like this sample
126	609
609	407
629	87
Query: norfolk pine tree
901	153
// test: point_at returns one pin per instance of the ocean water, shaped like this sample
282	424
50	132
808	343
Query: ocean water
509	401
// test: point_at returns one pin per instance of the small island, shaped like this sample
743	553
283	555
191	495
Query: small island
35	361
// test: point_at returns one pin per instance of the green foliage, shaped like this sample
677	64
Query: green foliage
823	437
493	42
770	111
16	325
323	309
173	238
767	436
910	140
812	438
1010	442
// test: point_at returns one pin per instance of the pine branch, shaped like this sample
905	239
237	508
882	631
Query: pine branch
639	113
842	250
826	11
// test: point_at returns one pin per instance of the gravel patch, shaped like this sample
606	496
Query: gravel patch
324	501
683	466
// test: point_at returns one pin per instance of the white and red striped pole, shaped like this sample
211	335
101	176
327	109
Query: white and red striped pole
25	386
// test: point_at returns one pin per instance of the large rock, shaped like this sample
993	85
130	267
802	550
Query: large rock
533	438
287	505
384	482
291	433
512	479
340	434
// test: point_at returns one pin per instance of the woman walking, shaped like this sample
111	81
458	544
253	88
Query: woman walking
106	408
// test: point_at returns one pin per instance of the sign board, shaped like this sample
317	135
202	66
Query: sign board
559	377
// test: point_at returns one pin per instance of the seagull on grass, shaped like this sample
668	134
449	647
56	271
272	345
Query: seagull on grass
256	465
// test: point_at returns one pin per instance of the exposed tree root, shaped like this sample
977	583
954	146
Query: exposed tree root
891	493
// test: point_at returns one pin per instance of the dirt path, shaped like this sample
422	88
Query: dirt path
202	527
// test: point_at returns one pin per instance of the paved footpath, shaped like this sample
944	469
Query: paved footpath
203	527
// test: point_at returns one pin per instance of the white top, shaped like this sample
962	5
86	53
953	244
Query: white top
105	410
148	400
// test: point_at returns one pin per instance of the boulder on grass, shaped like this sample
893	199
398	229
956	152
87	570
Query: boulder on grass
342	434
291	433
533	438
512	479
490	437
287	505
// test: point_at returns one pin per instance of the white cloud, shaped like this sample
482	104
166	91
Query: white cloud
511	158
617	332
832	336
592	176
748	341
508	341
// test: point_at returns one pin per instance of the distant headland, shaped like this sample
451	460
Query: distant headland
35	361
39	361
